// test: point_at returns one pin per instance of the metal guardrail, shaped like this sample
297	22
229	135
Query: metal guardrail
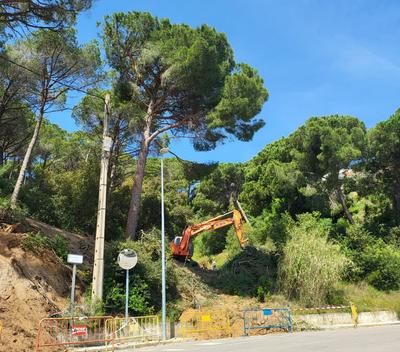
267	318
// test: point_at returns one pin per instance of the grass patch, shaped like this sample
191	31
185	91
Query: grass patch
368	298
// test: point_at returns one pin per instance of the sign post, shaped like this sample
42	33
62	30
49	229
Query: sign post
127	259
74	259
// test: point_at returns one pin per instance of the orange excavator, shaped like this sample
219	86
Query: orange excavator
182	246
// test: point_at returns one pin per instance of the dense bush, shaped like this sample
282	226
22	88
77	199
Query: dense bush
374	260
145	278
311	265
382	261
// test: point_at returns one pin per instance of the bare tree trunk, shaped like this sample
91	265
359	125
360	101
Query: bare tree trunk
134	207
396	202
342	201
27	157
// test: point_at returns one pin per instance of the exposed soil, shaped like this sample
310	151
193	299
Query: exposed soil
34	283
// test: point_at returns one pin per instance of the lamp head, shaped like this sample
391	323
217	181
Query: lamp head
164	150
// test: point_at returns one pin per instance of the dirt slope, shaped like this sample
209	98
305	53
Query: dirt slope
34	284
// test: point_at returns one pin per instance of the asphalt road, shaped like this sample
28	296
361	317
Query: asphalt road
371	339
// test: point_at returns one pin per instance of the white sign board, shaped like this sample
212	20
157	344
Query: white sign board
107	144
127	259
75	259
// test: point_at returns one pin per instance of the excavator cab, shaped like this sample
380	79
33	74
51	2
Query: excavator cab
177	240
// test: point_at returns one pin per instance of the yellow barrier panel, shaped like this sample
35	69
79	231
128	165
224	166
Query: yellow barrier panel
210	324
138	329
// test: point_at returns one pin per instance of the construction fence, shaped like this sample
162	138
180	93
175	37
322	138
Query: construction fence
266	319
205	323
60	334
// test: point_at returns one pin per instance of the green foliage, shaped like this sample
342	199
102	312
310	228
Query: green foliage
263	291
270	225
205	93
35	242
60	245
243	273
145	292
385	157
374	261
271	175
52	14
368	298
210	243
288	179
311	266
10	215
383	264
325	145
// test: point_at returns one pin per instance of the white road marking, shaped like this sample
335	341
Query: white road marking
173	349
208	343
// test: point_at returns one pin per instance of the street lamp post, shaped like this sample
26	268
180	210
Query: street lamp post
163	282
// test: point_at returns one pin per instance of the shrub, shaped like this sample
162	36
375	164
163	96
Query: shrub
35	242
60	245
311	265
145	278
383	263
9	214
374	261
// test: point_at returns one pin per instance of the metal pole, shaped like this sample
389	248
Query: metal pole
126	297
98	266
73	290
163	293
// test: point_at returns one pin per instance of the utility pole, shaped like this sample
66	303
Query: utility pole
98	267
163	268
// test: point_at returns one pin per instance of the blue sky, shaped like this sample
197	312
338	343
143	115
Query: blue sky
316	58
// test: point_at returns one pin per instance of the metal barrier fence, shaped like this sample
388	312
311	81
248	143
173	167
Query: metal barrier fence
206	323
268	318
138	329
55	333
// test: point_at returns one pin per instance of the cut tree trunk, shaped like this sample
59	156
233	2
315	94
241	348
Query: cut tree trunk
25	162
342	201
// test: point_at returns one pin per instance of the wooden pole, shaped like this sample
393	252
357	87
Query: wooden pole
98	267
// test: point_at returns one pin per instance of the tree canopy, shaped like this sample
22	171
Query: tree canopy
50	14
185	81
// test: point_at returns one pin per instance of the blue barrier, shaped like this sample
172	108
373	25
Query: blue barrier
267	318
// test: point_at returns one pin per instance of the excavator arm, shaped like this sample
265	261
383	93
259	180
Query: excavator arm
182	245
